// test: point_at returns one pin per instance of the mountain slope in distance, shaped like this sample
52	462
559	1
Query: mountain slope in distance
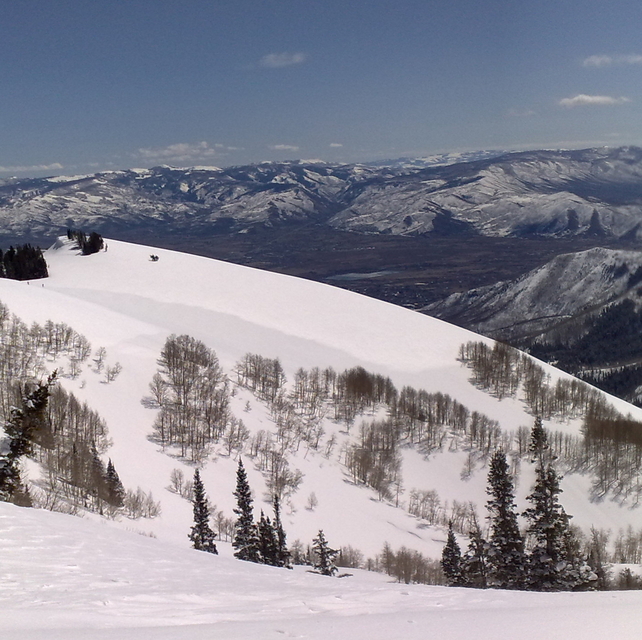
566	287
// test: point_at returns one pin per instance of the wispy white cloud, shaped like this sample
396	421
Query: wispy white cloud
184	152
284	147
598	61
335	145
582	99
55	166
608	61
521	113
279	60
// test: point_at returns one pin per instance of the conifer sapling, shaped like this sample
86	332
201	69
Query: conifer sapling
201	535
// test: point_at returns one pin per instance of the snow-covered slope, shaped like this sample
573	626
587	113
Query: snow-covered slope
71	578
566	287
121	300
66	578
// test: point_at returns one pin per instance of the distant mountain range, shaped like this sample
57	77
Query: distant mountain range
588	193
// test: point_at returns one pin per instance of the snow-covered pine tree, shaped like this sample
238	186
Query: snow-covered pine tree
282	553
597	558
506	559
201	534
451	559
474	563
553	563
23	425
268	545
245	537
323	555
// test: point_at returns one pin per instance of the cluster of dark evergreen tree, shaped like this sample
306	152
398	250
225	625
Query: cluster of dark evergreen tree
263	542
87	244
546	559
602	350
23	263
623	382
105	485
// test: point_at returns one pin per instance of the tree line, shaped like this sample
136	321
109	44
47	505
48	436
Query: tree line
430	420
45	422
609	448
87	244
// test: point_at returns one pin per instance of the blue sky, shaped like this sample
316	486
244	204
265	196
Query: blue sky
103	84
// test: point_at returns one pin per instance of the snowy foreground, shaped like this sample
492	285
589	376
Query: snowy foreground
64	577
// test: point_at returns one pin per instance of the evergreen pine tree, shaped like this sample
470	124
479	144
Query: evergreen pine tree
323	556
245	536
282	553
597	558
554	564
201	534
451	559
474	563
538	446
268	545
506	557
97	482
23	425
115	490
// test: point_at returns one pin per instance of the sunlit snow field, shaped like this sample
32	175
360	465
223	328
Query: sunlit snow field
63	577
